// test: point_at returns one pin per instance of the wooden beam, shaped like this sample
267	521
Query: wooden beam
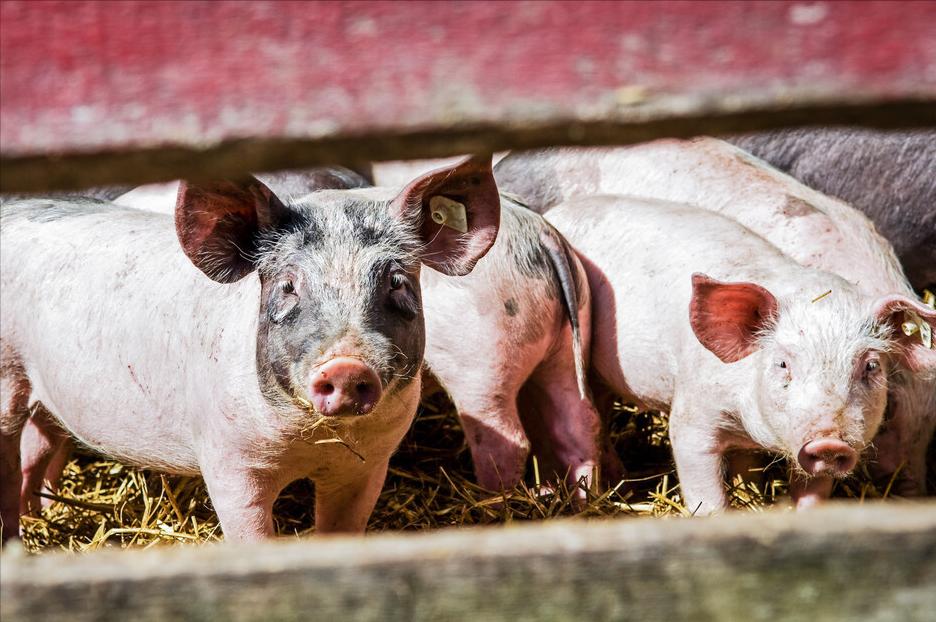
841	562
102	93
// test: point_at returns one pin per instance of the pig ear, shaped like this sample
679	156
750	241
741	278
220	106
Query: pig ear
457	211
727	317
899	311
219	224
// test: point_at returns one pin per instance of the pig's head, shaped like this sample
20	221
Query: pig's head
821	363
340	321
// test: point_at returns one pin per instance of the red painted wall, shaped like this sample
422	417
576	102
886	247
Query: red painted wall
78	76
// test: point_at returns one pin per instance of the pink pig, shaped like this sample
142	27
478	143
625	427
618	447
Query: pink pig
814	229
286	341
746	348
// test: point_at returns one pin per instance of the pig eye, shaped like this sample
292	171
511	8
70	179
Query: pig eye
283	301
400	298
397	280
871	370
782	364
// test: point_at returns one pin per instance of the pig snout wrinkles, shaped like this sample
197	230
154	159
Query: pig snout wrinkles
344	386
829	456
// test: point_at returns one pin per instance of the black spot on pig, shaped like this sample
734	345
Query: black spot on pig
510	306
367	236
523	244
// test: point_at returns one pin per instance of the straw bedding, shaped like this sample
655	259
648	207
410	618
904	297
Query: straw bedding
430	485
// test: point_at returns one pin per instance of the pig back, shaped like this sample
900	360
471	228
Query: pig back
640	255
812	228
890	176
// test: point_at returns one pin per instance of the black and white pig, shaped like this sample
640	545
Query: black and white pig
284	339
527	333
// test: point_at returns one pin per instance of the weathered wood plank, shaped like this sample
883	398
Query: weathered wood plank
103	92
871	562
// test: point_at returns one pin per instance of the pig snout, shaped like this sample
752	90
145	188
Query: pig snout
344	386
827	456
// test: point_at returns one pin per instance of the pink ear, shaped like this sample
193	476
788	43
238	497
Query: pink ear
911	352
218	224
726	317
469	182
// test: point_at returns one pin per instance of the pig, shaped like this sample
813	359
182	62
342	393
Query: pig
814	229
250	340
746	348
104	193
890	176
45	448
532	334
534	393
529	337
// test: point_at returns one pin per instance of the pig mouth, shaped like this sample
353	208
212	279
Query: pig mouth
328	430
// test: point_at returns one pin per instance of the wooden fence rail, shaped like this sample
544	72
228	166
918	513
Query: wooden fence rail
842	562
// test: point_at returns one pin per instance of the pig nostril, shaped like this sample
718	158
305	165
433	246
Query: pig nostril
827	456
345	386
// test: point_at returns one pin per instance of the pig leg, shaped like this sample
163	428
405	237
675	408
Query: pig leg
345	505
810	492
57	467
915	483
243	500
499	446
571	423
901	444
612	468
699	463
14	412
43	442
486	400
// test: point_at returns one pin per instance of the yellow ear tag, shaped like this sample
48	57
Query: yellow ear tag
909	328
448	213
915	323
926	331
